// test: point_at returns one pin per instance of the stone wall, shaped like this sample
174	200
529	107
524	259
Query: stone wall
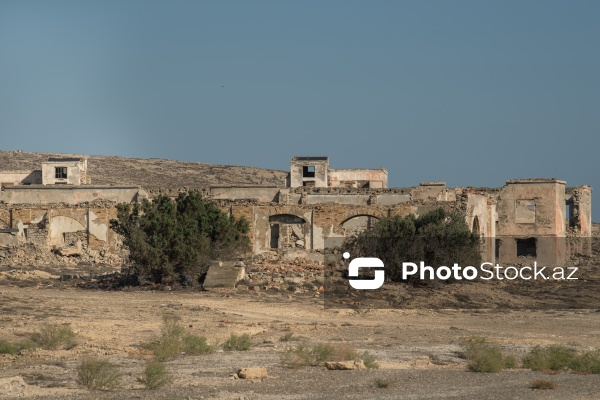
70	195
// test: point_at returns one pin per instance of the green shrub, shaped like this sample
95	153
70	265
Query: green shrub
483	356
96	374
54	336
543	384
438	238
25	345
196	345
12	348
587	362
174	340
237	343
288	337
169	239
369	360
155	375
306	354
382	383
550	358
6	347
170	343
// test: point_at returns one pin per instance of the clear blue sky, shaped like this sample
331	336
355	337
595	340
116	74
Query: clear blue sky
469	92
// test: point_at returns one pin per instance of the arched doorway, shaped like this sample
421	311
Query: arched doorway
287	231
357	224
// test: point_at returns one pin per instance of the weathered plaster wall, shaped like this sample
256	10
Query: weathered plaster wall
389	199
532	208
582	210
73	172
350	199
69	194
376	178
433	191
548	199
58	225
10	178
321	165
261	194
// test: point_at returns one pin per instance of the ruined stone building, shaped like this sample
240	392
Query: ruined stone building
58	206
320	207
315	209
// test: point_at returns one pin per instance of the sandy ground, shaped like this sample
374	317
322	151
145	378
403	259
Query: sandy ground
418	350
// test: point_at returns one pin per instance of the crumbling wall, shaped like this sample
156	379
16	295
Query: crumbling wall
258	193
532	209
300	175
12	178
85	228
580	220
69	195
358	178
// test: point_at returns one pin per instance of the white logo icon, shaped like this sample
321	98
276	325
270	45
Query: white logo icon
365	262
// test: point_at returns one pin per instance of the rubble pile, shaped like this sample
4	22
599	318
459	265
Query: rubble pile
30	254
298	276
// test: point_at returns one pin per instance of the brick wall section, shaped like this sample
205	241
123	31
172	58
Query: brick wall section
37	236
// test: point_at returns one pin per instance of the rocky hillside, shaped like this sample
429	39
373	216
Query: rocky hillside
151	173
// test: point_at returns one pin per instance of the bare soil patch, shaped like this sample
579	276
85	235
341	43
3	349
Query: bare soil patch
418	350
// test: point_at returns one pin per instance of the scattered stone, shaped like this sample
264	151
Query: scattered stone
253	373
345	365
13	386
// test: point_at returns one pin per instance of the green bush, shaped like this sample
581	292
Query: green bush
550	358
437	238
483	356
155	375
237	343
25	345
288	337
173	239
97	374
369	360
173	341
382	383
53	336
307	354
196	345
12	348
587	362
6	347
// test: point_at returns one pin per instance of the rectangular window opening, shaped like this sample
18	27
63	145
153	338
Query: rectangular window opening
308	183
274	236
60	172
527	247
308	171
497	249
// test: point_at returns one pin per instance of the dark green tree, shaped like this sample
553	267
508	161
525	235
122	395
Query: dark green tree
175	238
437	238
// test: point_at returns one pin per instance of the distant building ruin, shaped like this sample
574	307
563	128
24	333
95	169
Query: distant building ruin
55	171
57	206
317	207
528	218
315	172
